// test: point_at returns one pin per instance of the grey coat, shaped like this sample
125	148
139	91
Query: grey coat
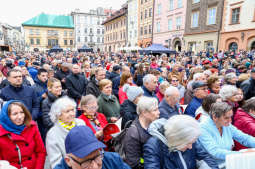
55	142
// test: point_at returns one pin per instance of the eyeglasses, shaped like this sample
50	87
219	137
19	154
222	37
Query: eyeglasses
87	163
175	80
92	107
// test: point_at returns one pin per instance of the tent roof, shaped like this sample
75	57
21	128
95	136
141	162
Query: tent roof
45	20
157	48
84	47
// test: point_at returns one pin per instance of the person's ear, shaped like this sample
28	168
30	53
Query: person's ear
68	161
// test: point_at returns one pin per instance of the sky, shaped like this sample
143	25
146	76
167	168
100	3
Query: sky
15	12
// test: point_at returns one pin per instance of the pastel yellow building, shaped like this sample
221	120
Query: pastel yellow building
46	31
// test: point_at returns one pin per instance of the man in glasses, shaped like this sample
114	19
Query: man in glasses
200	91
84	151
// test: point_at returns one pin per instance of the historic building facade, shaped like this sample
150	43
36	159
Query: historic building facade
115	36
89	30
238	25
169	23
46	31
132	23
203	24
145	22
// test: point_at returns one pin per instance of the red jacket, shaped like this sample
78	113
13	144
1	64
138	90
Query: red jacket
160	96
32	149
100	117
244	122
122	95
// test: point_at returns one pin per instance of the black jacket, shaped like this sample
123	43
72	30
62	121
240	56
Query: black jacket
5	83
248	87
113	75
60	75
138	79
76	86
135	138
127	112
93	87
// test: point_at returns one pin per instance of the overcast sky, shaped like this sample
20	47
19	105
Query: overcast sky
15	12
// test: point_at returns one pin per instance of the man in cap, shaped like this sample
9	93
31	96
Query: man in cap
200	91
83	151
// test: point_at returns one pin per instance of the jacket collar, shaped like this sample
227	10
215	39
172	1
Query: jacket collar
40	83
147	91
16	88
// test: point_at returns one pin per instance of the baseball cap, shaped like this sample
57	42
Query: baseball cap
198	84
81	141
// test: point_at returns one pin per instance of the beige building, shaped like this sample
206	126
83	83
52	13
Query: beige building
115	36
58	30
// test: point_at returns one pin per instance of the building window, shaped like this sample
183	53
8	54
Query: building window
141	17
170	24
91	39
194	19
71	33
195	1
141	1
31	41
86	39
141	30
235	15
30	31
150	29
208	45
158	26
211	16
71	42
159	9
98	39
78	39
145	14
90	30
178	22
179	3
102	40
38	41
150	12
102	31
171	5
145	30
65	42
85	30
98	31
37	32
65	33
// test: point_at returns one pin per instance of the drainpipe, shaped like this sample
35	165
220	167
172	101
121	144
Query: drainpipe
217	47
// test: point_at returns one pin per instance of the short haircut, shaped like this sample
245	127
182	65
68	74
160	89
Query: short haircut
41	70
164	85
170	90
229	77
28	117
211	80
58	106
98	69
104	83
12	70
85	100
249	105
197	75
147	78
146	104
51	82
227	91
219	109
177	133
209	100
124	77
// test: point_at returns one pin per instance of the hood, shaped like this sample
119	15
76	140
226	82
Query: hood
6	122
156	129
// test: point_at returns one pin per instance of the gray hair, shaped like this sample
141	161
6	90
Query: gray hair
219	109
229	77
147	78
58	106
180	130
146	104
197	76
171	90
227	91
164	85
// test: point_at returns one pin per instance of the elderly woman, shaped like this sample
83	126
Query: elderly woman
62	114
96	121
174	81
18	133
173	145
245	120
137	135
231	79
107	103
213	83
162	88
218	134
202	113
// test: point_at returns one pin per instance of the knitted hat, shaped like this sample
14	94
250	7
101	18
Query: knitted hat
132	91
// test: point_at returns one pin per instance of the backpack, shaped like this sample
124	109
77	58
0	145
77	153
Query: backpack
118	141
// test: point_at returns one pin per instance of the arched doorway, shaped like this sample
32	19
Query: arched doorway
233	46
178	46
253	45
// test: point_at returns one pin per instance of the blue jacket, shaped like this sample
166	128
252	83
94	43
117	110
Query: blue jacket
167	111
148	93
158	156
110	161
33	72
26	94
193	106
40	88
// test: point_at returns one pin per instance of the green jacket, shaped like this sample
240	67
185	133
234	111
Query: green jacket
109	106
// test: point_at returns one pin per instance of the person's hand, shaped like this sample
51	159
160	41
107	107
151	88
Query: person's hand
63	80
99	134
44	95
114	119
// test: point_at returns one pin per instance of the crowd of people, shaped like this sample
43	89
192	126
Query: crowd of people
177	111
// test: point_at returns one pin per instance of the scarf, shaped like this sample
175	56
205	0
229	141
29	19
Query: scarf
6	122
93	118
68	127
